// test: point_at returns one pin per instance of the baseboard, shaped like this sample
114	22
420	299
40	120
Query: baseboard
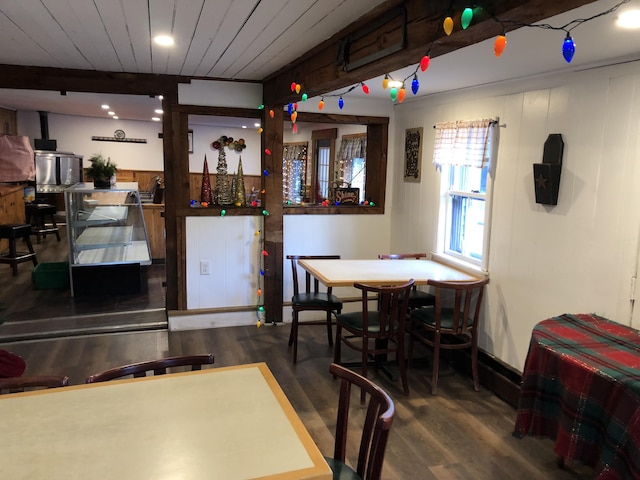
503	380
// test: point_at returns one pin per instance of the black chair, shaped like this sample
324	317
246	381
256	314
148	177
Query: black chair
375	428
158	367
417	298
42	218
459	322
32	382
311	299
13	232
384	326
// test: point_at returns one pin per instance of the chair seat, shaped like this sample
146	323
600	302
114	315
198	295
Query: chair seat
316	300
353	321
420	298
340	470
428	317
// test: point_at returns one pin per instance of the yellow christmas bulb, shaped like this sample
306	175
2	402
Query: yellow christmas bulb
260	130
385	82
448	25
298	87
258	324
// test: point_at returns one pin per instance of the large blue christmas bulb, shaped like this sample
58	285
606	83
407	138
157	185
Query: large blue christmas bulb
415	85
568	48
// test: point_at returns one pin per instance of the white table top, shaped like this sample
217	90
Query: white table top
221	423
343	273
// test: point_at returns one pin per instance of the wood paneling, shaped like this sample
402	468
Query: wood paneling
11	208
154	222
8	122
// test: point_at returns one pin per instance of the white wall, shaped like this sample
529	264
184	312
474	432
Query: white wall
576	257
204	136
73	134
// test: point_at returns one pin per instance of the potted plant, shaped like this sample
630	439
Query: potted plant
101	171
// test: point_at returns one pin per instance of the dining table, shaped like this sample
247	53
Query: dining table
581	388
226	423
345	272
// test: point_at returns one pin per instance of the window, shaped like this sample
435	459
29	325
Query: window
351	167
294	169
465	153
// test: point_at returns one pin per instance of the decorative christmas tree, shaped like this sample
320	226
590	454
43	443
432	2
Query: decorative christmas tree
205	192
223	187
240	198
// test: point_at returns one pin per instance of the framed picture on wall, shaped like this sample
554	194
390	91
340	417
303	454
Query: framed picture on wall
412	154
190	139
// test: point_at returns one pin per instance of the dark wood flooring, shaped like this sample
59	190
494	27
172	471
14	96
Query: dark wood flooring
458	434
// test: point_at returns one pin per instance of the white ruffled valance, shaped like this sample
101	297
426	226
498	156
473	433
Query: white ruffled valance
353	147
464	143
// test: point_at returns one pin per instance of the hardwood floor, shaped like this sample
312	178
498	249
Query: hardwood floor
458	434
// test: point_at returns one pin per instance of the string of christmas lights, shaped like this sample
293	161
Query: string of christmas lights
397	89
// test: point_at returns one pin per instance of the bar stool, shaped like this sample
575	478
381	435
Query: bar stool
37	213
12	232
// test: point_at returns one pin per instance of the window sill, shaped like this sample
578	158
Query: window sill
458	264
333	210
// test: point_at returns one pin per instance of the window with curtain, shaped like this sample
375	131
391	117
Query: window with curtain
352	161
294	168
465	153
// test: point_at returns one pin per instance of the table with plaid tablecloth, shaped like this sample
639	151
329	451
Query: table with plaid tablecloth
581	387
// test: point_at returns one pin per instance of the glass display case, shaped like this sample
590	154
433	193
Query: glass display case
107	238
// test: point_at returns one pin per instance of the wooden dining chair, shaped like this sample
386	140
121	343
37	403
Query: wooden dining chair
375	427
378	332
311	299
459	322
32	382
417	298
157	367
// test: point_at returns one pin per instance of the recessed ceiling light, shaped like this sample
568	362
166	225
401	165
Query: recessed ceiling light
115	117
160	97
163	40
158	110
256	124
111	113
155	119
244	126
105	107
395	84
629	19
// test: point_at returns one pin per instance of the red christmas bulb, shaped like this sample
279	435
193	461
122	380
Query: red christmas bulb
424	63
365	89
264	253
267	151
293	86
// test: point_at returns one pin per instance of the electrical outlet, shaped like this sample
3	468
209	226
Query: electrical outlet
205	267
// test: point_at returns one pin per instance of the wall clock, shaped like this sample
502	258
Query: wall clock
119	134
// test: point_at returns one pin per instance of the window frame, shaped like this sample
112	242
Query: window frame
443	252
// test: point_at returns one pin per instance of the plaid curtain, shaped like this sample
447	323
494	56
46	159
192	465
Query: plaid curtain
463	143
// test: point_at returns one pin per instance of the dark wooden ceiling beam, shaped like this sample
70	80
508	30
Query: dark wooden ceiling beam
320	71
72	80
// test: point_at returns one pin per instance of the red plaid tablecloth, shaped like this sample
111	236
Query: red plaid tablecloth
581	387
